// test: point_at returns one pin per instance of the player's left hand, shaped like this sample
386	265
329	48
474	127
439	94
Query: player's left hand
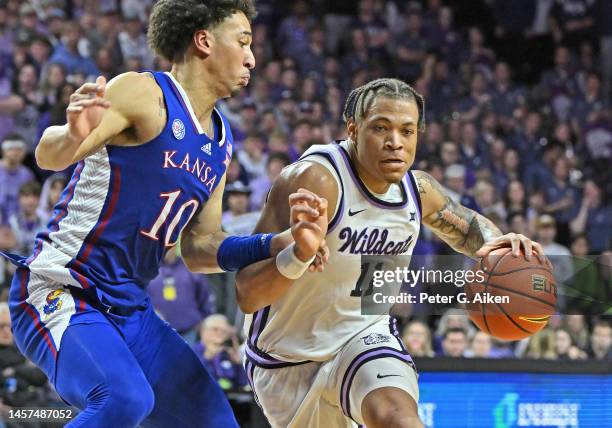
515	241
309	226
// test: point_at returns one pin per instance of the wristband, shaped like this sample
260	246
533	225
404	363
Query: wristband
289	265
237	252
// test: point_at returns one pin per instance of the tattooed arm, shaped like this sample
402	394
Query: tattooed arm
465	230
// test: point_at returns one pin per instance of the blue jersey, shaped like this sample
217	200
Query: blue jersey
125	206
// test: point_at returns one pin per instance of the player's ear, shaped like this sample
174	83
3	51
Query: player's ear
203	41
352	130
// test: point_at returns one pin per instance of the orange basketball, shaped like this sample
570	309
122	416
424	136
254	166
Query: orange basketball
516	297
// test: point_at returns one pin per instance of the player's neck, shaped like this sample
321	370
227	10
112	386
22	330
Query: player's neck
196	83
374	185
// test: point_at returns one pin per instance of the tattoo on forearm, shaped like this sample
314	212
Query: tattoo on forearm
463	229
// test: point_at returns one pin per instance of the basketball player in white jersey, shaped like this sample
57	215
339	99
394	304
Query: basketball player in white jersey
313	359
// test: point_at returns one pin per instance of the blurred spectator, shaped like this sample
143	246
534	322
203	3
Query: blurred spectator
417	338
104	36
67	52
260	186
575	325
480	346
50	195
26	222
559	84
252	156
562	198
572	21
292	34
585	284
517	223
237	220
558	254
182	298
541	345
21	383
369	19
219	351
454	343
410	48
13	174
601	341
27	119
565	348
454	180
133	42
452	318
594	219
486	200
515	200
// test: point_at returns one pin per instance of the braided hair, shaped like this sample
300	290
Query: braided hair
361	98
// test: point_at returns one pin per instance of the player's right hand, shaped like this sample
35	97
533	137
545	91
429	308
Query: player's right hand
86	108
309	226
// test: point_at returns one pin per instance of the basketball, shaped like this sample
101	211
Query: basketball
516	297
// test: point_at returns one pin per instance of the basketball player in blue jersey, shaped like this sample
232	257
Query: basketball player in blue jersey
151	153
313	358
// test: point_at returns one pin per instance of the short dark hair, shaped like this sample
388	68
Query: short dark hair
278	156
451	330
30	188
173	22
361	98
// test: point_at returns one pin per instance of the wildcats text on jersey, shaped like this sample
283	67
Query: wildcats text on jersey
372	241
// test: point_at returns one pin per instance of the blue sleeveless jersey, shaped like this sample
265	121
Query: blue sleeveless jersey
126	206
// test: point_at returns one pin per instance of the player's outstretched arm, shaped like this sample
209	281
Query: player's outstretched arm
465	230
289	206
97	113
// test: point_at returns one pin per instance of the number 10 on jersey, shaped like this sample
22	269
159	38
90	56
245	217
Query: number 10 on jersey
162	218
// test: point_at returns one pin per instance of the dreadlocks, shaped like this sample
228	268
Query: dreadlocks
360	99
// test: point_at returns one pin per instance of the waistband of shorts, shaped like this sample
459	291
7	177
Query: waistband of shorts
103	307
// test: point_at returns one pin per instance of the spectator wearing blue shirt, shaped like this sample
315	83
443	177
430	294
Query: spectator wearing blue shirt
594	219
67	53
563	199
13	174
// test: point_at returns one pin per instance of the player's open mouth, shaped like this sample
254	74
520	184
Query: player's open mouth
245	80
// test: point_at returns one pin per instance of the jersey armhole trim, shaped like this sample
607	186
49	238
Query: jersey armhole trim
415	193
340	204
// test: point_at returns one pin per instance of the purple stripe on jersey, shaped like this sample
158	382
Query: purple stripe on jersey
266	361
359	184
395	332
412	194
255	326
261	359
361	359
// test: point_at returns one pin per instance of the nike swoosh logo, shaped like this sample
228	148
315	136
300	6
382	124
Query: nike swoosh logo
352	213
379	376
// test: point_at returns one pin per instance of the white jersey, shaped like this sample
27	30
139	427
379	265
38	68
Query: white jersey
323	310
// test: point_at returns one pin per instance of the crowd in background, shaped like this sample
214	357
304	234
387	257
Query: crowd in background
519	128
